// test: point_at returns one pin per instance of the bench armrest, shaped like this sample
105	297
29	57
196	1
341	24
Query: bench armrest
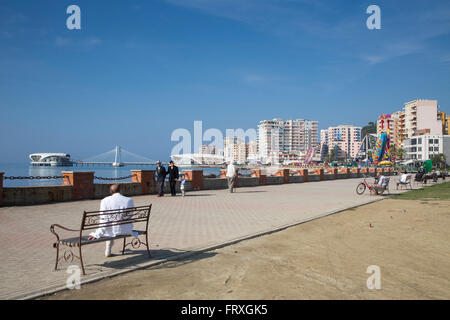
52	230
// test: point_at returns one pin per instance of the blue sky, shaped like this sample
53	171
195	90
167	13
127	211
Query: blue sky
137	70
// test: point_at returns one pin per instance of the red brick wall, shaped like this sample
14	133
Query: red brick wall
262	177
82	184
283	173
304	173
146	178
196	176
356	170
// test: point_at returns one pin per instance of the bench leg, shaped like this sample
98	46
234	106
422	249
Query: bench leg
81	261
57	256
123	249
148	246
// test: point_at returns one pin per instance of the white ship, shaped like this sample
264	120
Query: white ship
51	160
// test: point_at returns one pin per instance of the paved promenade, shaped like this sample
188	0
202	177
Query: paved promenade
202	220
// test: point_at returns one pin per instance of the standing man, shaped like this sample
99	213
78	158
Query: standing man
231	176
160	178
173	173
116	201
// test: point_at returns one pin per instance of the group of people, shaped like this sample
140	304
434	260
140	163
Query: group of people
421	176
174	176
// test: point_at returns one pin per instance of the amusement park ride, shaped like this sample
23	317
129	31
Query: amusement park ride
379	146
382	156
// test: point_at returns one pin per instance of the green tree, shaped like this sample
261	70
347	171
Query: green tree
397	153
438	160
331	155
370	128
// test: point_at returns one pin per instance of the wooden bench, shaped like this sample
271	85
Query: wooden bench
95	219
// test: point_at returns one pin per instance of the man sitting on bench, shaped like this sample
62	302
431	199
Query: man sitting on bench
115	201
381	185
405	179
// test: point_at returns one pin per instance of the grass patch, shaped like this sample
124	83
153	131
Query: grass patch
434	192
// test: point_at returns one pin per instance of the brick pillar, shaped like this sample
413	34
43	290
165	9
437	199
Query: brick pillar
356	171
1	188
334	171
82	183
283	173
196	176
262	177
304	173
146	178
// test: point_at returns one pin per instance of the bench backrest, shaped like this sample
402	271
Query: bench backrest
109	218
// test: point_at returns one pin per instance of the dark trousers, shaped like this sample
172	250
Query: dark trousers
161	188
173	184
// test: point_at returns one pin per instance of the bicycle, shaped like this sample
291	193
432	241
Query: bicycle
362	186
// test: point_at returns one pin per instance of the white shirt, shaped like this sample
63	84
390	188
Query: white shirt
404	177
382	181
231	171
114	202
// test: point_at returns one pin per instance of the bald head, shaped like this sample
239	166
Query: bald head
115	188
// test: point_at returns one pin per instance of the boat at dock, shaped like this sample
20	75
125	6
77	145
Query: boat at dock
51	160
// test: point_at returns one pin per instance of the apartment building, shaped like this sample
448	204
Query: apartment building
419	115
269	133
424	145
286	140
323	143
207	149
445	120
235	150
344	139
416	116
252	151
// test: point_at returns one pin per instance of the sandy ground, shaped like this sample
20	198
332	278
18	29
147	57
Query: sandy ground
321	259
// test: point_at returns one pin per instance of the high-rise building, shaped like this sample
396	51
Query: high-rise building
323	143
398	130
252	151
235	150
419	115
286	140
207	149
445	120
344	139
269	133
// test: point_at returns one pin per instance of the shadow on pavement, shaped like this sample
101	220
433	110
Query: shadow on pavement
134	257
252	191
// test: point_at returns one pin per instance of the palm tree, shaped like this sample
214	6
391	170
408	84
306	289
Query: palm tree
398	154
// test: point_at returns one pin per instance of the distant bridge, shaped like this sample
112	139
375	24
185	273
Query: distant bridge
115	158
